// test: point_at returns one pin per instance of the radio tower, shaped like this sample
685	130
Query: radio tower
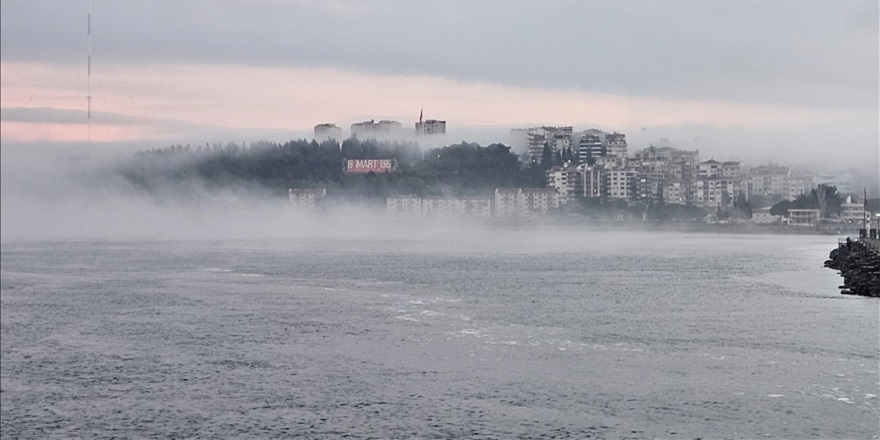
89	78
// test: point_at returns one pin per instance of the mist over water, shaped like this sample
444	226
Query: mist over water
203	313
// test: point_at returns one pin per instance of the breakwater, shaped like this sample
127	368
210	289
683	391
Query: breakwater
858	261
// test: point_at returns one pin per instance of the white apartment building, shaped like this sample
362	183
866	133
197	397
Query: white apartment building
414	206
770	180
732	170
710	168
711	192
762	216
803	217
854	212
566	180
621	184
798	185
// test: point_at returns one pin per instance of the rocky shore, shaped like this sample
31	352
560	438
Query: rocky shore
859	264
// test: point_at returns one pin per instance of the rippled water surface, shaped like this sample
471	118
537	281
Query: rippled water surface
501	334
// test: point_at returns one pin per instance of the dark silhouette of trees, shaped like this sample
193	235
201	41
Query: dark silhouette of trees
460	169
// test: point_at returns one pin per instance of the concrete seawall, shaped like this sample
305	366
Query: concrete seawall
858	261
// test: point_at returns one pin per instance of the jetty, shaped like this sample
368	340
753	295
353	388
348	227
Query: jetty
858	260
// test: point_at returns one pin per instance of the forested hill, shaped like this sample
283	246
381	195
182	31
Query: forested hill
461	169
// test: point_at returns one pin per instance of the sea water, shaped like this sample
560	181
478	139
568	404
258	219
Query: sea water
518	333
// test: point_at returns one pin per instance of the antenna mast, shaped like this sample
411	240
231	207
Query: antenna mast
89	78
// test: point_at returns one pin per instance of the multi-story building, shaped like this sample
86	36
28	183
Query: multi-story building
732	170
712	192
537	201
326	132
506	202
621	184
649	185
371	128
533	140
616	145
769	180
798	185
590	145
566	179
593	181
431	126
611	162
675	192
305	198
675	164
854	212
709	169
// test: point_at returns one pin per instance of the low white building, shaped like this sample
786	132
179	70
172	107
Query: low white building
762	216
413	206
803	217
525	202
305	198
403	206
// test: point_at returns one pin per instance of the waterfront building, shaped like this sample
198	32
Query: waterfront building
305	198
414	206
403	206
537	201
803	217
762	216
525	202
506	202
854	212
326	132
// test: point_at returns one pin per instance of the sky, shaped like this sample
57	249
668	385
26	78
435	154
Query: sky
789	81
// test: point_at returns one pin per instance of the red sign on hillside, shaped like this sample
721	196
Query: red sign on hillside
367	165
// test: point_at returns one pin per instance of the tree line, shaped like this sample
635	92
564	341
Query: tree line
464	169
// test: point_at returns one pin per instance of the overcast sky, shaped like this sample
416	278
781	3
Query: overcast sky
783	80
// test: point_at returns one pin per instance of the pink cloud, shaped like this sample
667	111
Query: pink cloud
253	97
